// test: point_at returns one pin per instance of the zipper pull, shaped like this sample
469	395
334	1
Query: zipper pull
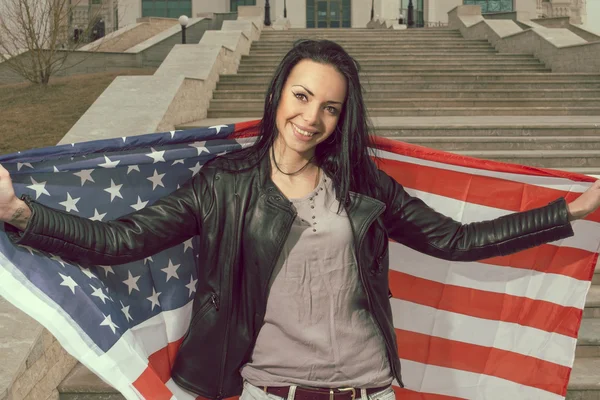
215	301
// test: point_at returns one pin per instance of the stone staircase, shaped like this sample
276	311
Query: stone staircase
434	88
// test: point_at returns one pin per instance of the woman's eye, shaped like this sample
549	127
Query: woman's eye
332	110
300	96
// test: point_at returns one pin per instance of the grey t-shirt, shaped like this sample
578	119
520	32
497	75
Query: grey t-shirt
317	329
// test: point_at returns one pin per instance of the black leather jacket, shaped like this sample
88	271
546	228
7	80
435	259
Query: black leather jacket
243	220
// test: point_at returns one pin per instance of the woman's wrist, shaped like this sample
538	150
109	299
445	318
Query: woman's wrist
17	214
575	212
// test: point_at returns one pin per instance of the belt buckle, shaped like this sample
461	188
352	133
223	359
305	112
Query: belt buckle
344	390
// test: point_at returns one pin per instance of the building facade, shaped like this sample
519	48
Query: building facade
345	13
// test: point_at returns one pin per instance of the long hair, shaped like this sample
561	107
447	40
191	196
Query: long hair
345	155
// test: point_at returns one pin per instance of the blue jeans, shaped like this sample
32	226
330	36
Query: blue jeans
252	392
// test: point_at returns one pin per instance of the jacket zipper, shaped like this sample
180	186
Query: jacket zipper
369	301
226	345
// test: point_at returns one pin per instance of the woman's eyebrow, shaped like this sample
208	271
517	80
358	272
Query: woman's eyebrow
312	94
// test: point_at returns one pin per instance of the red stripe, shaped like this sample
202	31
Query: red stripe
490	361
151	386
483	190
425	153
406	394
538	314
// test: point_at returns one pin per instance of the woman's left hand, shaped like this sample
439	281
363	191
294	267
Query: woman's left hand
585	204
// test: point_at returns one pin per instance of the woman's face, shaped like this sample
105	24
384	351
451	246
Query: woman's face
310	106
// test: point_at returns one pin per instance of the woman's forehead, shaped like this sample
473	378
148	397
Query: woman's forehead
322	80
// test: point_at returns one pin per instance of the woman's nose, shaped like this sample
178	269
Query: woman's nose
311	115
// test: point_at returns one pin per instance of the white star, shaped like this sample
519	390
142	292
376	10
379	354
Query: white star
173	134
107	269
108	322
58	259
140	204
28	248
148	259
192	285
70	203
124	138
56	169
85	175
195	169
20	165
200	147
154	298
178	162
88	272
133	168
125	311
39	187
99	294
97	216
158	156
218	128
171	271
108	163
156	180
188	244
131	282
69	282
114	190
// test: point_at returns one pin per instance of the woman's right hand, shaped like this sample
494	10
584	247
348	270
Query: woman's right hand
12	209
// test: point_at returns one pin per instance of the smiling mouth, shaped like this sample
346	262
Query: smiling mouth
303	132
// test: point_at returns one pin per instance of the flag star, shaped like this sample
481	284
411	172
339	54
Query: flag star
171	271
28	248
218	128
88	272
188	244
107	269
154	298
178	162
200	147
195	169
108	322
58	259
99	294
70	203
85	175
124	138
173	134
56	169
21	165
131	282
192	285
72	144
108	163
125	311
156	180
68	282
139	205
133	168
97	216
148	259
114	190
39	188
158	156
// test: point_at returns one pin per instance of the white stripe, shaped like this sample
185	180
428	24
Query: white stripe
554	288
586	237
468	385
552	347
46	312
179	393
541	181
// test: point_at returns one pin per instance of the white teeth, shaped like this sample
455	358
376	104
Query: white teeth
303	133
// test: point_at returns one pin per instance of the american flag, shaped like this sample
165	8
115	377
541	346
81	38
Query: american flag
500	328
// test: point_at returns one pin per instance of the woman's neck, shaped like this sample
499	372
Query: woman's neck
290	163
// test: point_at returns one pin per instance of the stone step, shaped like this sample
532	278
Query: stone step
375	43
367	69
409	58
479	84
504	143
538	158
439	94
264	78
398	50
399	103
260	64
588	341
423	112
516	131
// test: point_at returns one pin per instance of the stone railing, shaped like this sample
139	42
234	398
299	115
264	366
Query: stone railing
560	49
565	22
34	363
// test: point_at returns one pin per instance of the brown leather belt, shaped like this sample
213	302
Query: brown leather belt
304	393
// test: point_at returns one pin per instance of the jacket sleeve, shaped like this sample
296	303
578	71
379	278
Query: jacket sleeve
410	221
169	221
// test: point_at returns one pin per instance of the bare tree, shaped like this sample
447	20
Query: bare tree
37	36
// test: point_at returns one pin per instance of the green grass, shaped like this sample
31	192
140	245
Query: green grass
33	116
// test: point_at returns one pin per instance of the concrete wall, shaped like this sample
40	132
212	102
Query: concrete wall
216	6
